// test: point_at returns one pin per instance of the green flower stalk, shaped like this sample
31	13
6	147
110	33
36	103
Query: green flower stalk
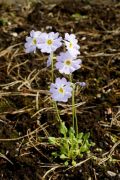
74	115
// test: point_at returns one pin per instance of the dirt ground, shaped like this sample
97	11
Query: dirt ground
25	109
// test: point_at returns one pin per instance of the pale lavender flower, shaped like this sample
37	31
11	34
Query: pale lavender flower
32	41
50	42
82	84
72	44
61	90
67	63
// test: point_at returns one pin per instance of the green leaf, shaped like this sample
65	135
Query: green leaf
63	129
62	156
71	132
86	136
80	135
66	163
3	21
52	140
80	138
76	15
54	154
84	148
73	162
92	144
64	147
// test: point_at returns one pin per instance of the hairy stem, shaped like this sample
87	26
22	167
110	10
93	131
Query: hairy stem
74	115
52	67
52	78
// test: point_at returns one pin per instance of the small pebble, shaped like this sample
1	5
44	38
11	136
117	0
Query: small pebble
83	38
112	174
48	27
14	34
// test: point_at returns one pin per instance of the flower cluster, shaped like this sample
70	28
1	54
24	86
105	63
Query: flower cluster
46	42
66	62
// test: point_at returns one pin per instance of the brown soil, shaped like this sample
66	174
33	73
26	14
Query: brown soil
22	153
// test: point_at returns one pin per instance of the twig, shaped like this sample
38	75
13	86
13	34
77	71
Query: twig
109	153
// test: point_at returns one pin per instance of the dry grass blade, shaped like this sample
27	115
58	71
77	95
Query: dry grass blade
25	136
50	170
23	110
79	164
41	110
34	144
3	156
2	94
10	67
8	50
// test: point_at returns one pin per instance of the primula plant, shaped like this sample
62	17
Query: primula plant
72	144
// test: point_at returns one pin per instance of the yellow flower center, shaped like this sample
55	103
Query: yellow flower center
70	45
61	90
49	41
34	41
68	62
